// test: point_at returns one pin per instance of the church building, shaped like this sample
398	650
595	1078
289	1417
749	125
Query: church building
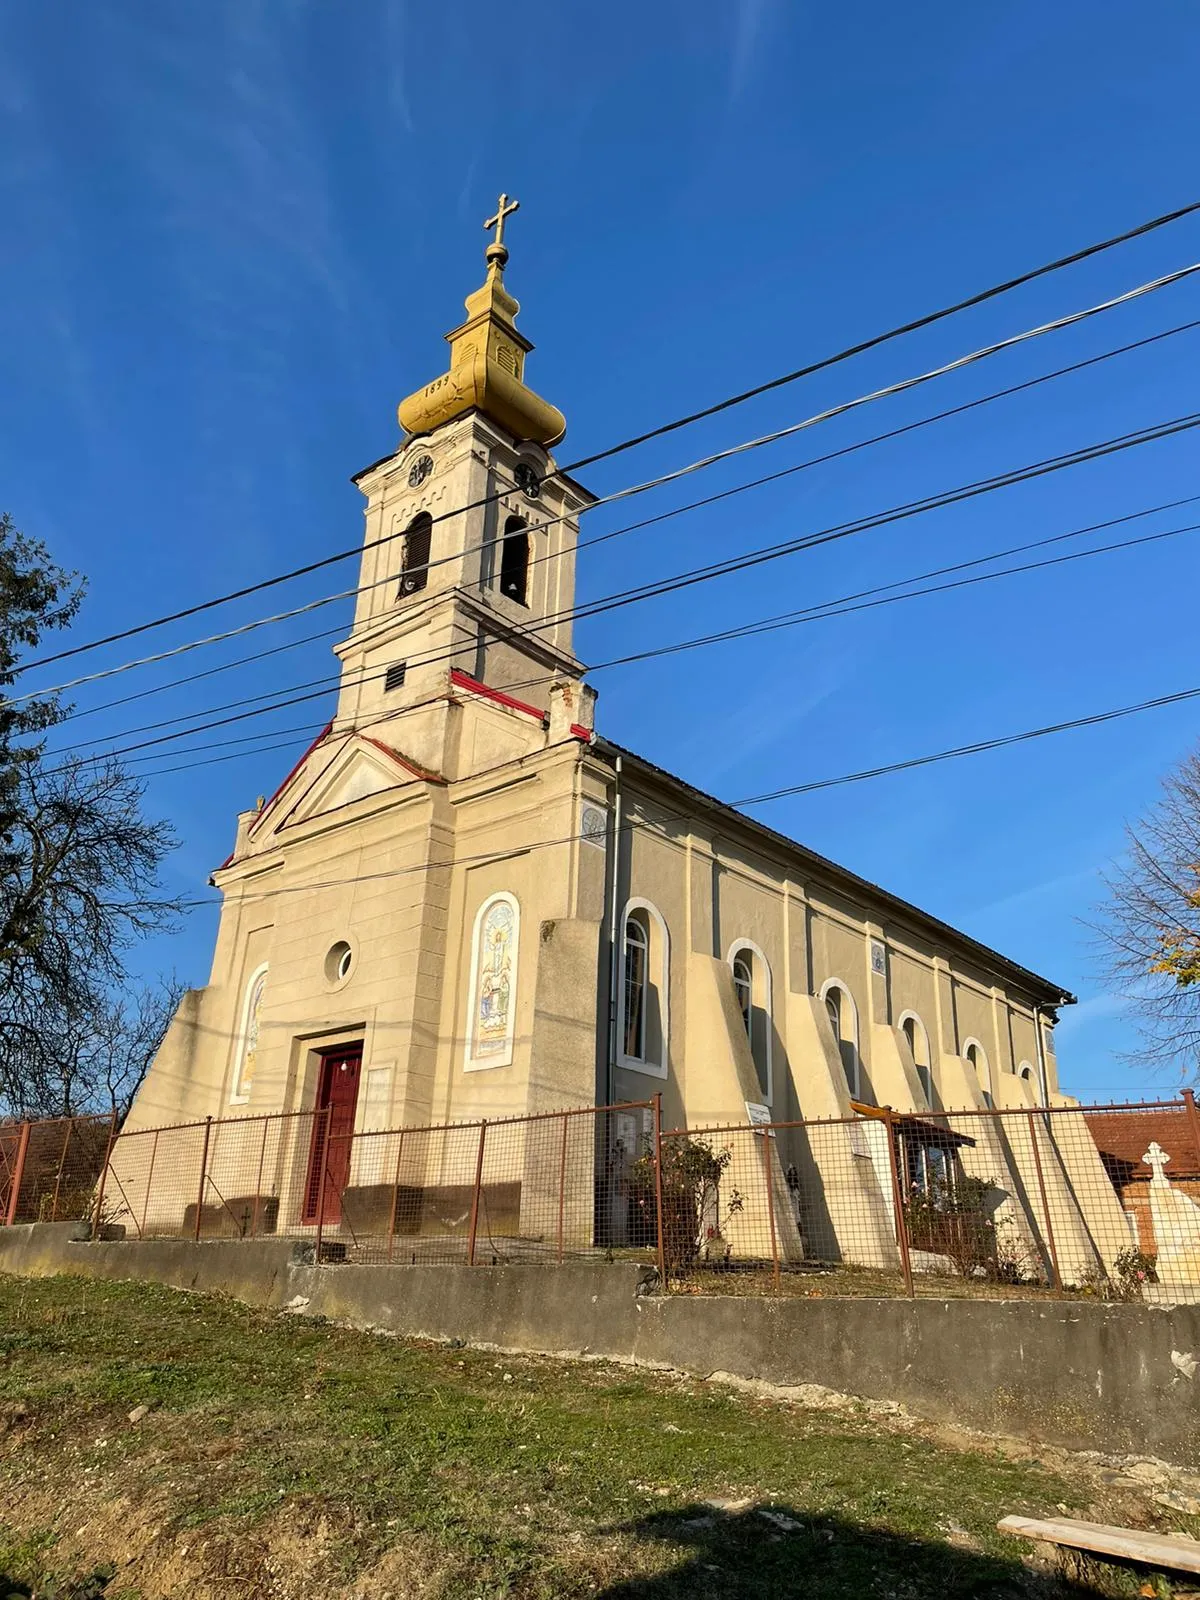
465	900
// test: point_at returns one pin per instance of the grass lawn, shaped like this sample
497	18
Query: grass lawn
284	1457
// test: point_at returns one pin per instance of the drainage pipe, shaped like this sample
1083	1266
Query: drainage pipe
614	964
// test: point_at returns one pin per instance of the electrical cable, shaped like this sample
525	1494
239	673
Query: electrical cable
662	516
701	464
745	561
972	749
844	606
787	378
882	338
1094	719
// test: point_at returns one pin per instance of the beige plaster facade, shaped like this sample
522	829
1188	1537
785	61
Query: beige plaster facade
444	877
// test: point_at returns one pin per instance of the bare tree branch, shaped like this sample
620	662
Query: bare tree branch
78	887
1150	925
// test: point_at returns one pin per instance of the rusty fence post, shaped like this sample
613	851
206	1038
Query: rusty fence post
208	1121
323	1180
395	1196
18	1174
108	1150
62	1162
765	1134
890	1121
562	1186
658	1193
262	1161
1055	1274
471	1237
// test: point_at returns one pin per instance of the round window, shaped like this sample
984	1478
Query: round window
339	961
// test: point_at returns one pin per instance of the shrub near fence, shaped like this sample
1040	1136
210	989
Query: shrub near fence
1024	1201
1046	1201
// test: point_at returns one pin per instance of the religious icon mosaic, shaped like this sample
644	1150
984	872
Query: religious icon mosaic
496	969
250	1039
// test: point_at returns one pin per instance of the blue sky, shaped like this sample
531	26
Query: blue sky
236	233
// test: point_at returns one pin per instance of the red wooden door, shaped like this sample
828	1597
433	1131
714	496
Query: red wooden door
329	1159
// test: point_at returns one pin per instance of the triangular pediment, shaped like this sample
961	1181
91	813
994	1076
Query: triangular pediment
361	769
356	774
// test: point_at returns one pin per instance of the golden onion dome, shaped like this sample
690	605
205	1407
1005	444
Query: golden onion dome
487	364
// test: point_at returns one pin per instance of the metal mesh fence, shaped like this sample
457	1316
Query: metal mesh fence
1061	1201
49	1169
538	1188
1068	1201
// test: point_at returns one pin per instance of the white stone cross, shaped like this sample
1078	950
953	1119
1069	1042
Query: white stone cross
1157	1158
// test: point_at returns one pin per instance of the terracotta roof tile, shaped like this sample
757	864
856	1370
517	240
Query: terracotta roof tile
1123	1137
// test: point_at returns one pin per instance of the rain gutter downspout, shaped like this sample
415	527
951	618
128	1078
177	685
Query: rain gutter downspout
1040	1039
614	974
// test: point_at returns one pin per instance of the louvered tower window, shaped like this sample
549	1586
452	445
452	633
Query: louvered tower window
414	572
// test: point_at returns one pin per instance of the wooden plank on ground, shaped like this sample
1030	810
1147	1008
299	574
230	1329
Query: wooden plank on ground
1169	1551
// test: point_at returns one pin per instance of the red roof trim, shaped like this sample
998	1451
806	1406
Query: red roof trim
426	774
580	732
229	859
465	681
321	737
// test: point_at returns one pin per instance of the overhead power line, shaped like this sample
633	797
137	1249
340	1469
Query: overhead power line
673	476
873	343
973	749
747	560
662	516
665	814
627	444
863	600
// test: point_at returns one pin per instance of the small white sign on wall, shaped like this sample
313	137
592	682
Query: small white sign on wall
760	1116
627	1135
858	1139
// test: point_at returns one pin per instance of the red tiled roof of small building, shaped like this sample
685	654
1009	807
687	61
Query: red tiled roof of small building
1123	1137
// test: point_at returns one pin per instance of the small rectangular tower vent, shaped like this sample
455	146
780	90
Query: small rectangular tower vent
393	678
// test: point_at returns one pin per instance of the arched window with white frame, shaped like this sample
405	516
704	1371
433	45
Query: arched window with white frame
976	1058
645	989
917	1039
752	990
842	1016
492	1007
248	1030
1025	1072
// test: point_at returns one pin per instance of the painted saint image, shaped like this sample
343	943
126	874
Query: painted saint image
495	978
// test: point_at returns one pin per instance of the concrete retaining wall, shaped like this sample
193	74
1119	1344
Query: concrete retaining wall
256	1272
1122	1378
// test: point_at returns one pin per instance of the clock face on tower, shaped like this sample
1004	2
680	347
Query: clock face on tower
419	471
527	480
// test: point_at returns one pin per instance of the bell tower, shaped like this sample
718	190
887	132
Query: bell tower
468	570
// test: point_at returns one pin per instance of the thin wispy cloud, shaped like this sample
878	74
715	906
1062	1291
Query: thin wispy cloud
467	189
1029	894
396	39
1087	1013
751	21
743	734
